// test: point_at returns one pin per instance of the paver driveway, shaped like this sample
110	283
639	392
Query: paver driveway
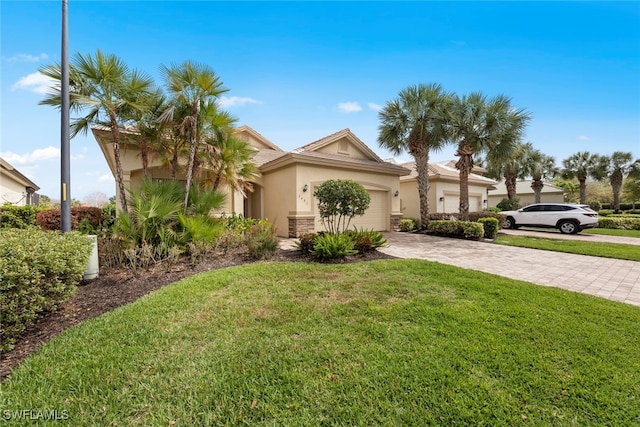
617	280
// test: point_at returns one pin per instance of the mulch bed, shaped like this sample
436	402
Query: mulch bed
117	287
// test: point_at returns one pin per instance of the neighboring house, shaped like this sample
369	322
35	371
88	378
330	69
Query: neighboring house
444	190
549	194
15	188
283	193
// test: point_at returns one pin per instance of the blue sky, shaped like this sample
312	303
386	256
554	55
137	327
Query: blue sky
298	71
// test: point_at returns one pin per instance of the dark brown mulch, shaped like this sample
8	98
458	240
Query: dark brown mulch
117	287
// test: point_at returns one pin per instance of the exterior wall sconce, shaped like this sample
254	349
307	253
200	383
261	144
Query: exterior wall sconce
484	201
305	188
442	199
396	194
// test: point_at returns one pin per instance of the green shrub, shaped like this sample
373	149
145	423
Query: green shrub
262	240
473	216
595	205
38	271
509	204
238	222
491	226
605	212
366	240
619	222
339	200
407	224
461	229
306	242
496	209
17	216
332	246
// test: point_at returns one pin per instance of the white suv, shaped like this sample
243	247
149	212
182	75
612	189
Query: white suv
568	218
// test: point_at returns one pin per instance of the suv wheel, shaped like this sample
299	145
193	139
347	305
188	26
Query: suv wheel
568	227
509	223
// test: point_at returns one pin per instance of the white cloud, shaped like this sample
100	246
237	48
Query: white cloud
373	106
35	82
236	101
583	138
349	107
25	57
107	177
36	155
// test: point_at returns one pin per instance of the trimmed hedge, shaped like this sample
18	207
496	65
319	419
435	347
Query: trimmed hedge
39	270
491	227
462	229
619	222
17	216
473	216
50	219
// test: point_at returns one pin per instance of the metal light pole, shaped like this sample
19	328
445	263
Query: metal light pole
65	162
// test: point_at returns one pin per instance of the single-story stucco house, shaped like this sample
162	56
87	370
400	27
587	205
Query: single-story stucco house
15	188
283	193
444	190
549	193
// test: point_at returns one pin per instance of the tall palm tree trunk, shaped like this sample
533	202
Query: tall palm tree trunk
583	189
510	183
537	185
193	149
464	165
616	185
420	152
115	133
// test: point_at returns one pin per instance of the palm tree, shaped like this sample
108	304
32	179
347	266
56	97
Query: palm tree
481	125
196	86
230	160
416	121
149	129
517	166
579	166
103	88
615	168
541	167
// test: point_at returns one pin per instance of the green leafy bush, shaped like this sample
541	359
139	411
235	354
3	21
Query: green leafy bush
261	240
491	226
605	212
39	270
509	204
595	205
407	224
339	201
473	216
619	222
17	216
333	246
366	240
496	209
461	229
90	218
238	222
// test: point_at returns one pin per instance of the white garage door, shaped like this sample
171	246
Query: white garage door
376	217
452	204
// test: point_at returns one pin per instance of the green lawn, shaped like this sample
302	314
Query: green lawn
390	342
580	247
613	232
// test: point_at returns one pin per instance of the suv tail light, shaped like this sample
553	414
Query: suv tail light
592	215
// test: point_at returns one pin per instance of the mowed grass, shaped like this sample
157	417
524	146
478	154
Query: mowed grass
580	247
389	342
613	232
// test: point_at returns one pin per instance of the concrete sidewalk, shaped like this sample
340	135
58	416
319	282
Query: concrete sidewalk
616	280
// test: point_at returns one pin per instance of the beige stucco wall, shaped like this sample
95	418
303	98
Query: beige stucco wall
439	189
12	191
337	147
527	199
284	196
